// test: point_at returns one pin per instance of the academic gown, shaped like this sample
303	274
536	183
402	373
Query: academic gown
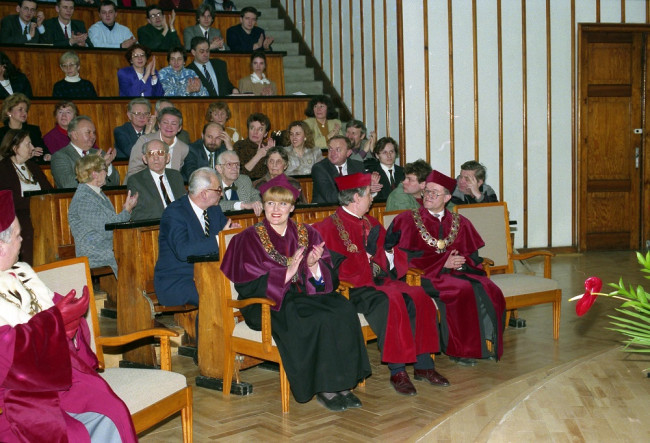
317	331
472	306
398	338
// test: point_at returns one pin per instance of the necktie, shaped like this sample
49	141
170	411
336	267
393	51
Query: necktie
139	134
85	153
392	179
26	29
206	220
212	161
65	32
340	170
164	192
206	35
209	79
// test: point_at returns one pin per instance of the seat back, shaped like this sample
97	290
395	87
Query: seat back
224	241
491	222
388	217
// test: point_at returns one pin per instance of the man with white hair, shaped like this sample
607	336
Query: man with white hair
238	190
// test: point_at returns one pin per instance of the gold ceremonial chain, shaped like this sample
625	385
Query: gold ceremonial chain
439	244
303	240
343	234
24	178
34	306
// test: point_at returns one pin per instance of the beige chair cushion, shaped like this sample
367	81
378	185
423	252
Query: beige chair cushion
518	284
363	320
140	388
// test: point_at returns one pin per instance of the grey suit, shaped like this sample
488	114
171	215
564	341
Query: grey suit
245	191
195	31
323	173
135	161
63	163
89	212
150	204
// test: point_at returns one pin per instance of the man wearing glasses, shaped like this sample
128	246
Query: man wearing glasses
189	226
138	112
18	29
445	246
159	34
238	190
157	186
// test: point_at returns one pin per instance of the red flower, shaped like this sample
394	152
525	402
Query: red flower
592	285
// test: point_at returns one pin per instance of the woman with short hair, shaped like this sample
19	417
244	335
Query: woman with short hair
72	86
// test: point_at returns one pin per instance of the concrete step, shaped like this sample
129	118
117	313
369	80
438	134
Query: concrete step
279	36
268	13
257	4
289	48
294	61
271	24
298	74
310	88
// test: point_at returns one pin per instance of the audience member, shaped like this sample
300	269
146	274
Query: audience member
219	112
205	151
167	5
402	316
390	174
221	5
63	30
81	131
204	19
247	36
21	28
253	149
157	186
11	79
213	73
322	120
170	122
161	104
107	33
50	387
15	110
362	147
336	164
315	328
72	86
445	246
141	78
57	138
90	210
238	190
257	83
19	173
138	111
177	80
408	194
181	236
276	162
302	153
471	187
159	34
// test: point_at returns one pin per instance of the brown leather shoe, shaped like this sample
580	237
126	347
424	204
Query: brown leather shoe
402	383
432	376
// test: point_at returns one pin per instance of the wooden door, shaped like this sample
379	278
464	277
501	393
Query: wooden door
610	153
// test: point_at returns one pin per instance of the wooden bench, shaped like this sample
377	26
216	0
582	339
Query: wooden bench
99	66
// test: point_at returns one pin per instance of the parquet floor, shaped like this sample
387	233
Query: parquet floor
580	388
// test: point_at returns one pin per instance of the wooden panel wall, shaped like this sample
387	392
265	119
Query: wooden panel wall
41	65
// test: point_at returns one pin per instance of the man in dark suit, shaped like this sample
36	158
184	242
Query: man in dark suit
205	151
238	190
213	73
63	30
390	174
155	186
17	29
189	226
157	34
138	112
81	131
337	163
204	18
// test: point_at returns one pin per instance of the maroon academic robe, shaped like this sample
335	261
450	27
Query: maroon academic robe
470	299
400	345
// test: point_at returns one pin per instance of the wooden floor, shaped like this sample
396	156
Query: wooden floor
542	390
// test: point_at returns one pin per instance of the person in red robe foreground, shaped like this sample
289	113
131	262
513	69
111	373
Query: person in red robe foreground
402	316
445	246
49	390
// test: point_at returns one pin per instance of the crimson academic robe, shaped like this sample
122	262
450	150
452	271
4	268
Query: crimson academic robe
317	331
472	306
399	340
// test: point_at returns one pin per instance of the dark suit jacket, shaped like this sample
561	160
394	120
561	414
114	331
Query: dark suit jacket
323	173
11	32
372	165
154	40
197	158
181	235
54	33
63	163
125	137
150	204
195	31
19	83
221	71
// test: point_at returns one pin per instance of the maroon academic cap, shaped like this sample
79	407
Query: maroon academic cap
442	180
281	181
353	181
7	210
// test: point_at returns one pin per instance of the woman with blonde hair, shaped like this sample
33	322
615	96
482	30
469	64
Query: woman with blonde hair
15	111
302	152
72	86
219	112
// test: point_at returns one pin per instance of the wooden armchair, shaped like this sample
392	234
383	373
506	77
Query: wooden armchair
151	395
520	290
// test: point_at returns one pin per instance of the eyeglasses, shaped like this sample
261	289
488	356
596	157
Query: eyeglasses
218	190
69	65
428	193
158	153
138	55
231	165
155	15
141	114
336	150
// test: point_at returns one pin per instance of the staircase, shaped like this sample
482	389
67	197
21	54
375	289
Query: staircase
297	76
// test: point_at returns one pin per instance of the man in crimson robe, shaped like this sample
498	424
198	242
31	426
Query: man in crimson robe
403	317
49	390
445	246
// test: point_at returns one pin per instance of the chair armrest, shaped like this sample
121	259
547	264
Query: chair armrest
165	344
266	317
250	301
547	259
414	277
344	289
487	264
